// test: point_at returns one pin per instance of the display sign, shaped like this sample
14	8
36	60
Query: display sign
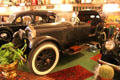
34	2
113	19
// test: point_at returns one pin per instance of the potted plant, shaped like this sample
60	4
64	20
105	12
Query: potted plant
10	57
106	72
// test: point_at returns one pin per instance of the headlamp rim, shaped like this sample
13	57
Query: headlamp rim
110	43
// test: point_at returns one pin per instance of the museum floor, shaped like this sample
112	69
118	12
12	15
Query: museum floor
70	67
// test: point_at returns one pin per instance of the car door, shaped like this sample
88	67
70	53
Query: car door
81	31
60	31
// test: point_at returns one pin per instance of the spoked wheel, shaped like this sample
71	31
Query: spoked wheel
5	35
44	58
102	36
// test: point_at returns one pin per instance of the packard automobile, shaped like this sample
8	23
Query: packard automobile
47	41
20	20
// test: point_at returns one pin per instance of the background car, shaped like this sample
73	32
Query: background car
91	16
97	22
20	20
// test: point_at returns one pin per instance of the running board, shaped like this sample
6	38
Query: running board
72	53
76	49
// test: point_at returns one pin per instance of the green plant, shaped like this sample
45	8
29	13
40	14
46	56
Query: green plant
9	54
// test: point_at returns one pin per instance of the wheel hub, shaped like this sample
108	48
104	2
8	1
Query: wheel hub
45	59
48	61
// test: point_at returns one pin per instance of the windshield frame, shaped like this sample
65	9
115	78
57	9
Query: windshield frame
11	18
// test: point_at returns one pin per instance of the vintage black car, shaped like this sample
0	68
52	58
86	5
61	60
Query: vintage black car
47	41
90	16
20	20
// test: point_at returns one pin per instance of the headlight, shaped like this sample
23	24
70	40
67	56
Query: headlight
31	31
110	45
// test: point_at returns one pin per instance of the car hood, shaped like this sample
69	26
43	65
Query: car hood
50	25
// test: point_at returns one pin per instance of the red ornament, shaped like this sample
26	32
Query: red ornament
34	2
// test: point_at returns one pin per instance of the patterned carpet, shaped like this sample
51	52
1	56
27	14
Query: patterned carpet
79	68
73	73
96	57
27	76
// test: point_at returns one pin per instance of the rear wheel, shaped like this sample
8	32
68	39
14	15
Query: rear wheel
44	58
5	35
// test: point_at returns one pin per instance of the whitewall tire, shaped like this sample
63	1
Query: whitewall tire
44	58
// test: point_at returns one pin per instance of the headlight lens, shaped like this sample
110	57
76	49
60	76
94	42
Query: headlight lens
31	31
110	45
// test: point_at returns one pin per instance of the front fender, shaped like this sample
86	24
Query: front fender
33	43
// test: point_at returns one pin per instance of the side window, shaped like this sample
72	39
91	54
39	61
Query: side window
27	20
51	19
38	20
5	18
18	20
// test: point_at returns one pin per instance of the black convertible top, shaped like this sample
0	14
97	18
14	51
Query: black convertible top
40	12
88	12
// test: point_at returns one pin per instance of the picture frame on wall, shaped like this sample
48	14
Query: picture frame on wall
34	2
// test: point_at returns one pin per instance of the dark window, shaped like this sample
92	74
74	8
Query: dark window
18	20
39	20
27	20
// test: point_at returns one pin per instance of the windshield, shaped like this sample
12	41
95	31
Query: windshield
61	19
63	16
11	18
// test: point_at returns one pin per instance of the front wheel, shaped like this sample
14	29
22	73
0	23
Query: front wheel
44	58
